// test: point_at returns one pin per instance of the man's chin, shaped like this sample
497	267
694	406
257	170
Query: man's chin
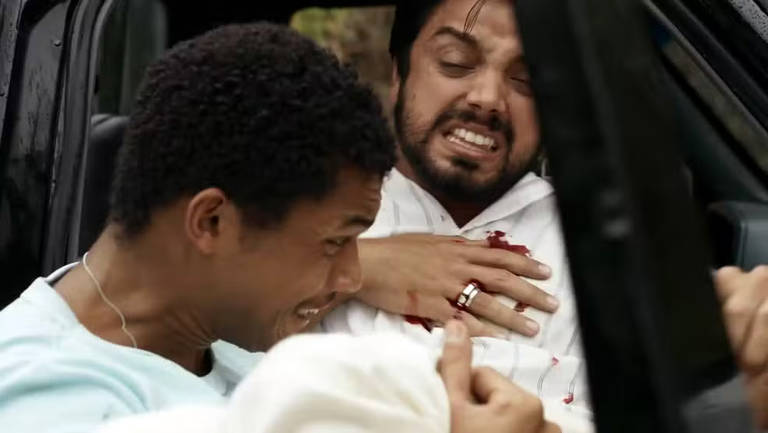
462	187
459	178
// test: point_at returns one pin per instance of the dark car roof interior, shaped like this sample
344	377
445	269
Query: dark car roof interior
186	21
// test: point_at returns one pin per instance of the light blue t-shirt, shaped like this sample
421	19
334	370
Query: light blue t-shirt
57	377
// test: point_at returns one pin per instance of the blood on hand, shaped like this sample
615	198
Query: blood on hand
496	240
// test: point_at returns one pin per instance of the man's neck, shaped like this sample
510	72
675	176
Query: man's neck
138	279
462	212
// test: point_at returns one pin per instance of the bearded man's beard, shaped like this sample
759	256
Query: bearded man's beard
458	184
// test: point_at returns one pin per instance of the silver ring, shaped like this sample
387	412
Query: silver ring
467	295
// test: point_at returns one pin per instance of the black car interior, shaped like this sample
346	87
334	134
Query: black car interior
106	137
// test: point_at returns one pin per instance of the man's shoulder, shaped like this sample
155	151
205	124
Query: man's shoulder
37	318
52	359
48	391
41	388
78	382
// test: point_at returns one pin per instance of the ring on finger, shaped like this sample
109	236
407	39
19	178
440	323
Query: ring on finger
467	296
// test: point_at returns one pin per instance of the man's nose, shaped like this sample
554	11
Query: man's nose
347	276
487	93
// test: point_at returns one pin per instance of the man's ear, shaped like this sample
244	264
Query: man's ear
394	88
206	213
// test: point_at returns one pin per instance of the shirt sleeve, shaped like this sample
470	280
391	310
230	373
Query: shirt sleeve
60	397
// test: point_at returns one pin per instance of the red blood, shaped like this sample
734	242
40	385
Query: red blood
413	308
568	399
496	240
413	303
521	306
414	320
479	285
555	361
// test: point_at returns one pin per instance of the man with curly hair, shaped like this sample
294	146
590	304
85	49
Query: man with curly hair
232	148
234	213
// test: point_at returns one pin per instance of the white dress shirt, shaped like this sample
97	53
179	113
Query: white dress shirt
550	364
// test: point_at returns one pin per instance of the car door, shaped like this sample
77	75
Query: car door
37	42
657	355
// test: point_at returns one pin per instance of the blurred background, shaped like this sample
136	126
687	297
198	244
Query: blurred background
358	36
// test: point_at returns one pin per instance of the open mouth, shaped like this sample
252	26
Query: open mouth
472	139
311	308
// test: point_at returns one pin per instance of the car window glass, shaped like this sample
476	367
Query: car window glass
135	35
715	95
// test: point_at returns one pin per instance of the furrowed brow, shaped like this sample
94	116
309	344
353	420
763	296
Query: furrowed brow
465	38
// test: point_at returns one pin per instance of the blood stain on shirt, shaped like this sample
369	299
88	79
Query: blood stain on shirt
496	240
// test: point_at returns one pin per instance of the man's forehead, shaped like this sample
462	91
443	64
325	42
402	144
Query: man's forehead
351	205
474	18
357	195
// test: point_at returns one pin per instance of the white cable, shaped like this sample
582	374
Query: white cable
108	302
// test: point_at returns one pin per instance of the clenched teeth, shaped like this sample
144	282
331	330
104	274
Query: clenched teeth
473	137
308	312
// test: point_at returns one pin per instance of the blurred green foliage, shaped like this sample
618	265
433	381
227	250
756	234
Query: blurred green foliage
358	36
325	26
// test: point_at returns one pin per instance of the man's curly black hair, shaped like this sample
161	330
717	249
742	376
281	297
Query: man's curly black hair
256	110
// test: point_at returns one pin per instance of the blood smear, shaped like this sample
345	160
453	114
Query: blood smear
496	240
414	320
413	303
568	399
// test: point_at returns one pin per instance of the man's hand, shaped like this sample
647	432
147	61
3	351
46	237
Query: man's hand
481	399
419	275
745	307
